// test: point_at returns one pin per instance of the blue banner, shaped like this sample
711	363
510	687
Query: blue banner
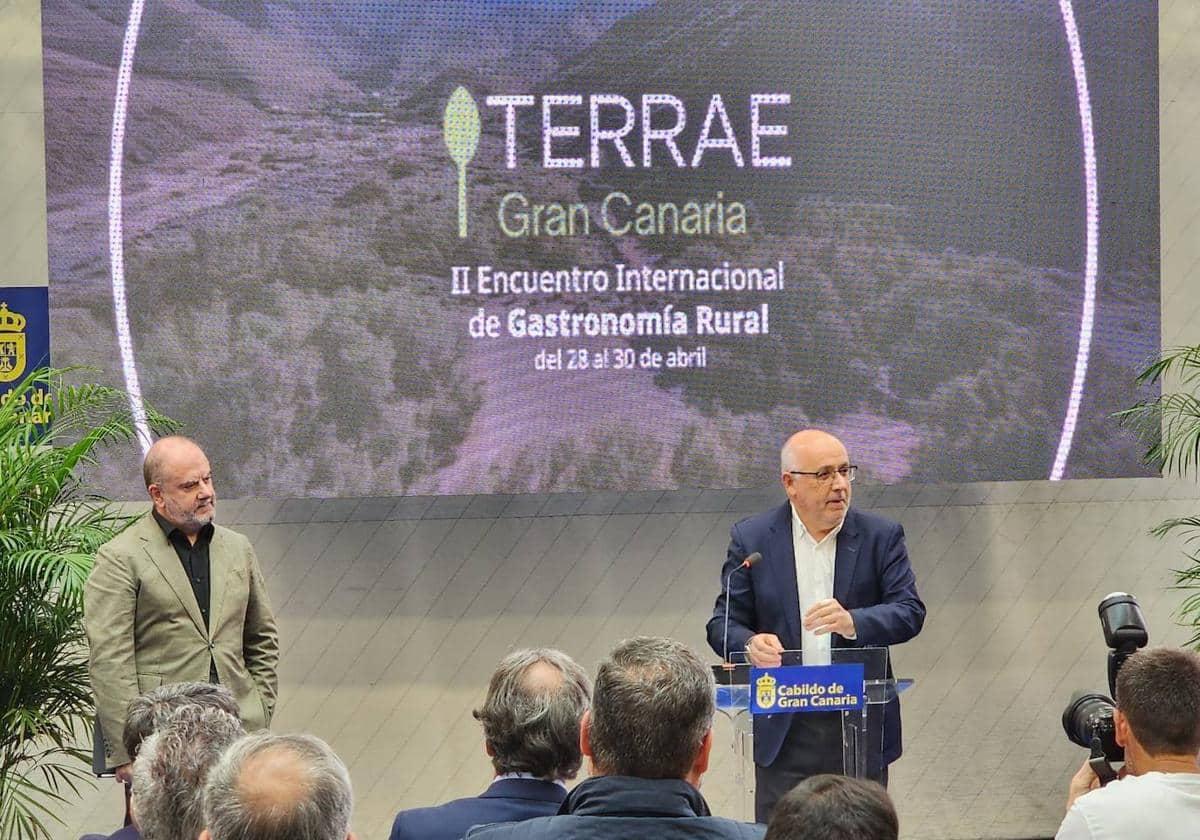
807	688
25	344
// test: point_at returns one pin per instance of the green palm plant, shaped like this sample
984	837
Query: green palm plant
50	528
1170	426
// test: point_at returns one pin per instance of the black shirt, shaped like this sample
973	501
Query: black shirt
195	565
194	558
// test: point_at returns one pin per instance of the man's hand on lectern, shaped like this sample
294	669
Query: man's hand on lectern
764	650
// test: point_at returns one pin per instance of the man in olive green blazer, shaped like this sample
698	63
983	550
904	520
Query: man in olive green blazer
175	598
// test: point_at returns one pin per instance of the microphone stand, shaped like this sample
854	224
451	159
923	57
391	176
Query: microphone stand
726	665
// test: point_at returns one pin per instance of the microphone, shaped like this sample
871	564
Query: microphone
745	564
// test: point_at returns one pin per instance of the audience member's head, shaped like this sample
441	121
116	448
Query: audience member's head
531	714
651	714
278	787
151	710
834	808
171	767
1158	704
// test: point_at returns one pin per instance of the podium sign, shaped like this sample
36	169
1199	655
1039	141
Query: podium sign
857	679
792	689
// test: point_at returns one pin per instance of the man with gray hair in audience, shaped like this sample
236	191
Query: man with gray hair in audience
648	736
171	767
278	787
150	711
530	724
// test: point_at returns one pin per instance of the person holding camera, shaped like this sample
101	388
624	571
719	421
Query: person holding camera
1157	721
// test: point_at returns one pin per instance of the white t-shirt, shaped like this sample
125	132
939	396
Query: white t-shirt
1155	806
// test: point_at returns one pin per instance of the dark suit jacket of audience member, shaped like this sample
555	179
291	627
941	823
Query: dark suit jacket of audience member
628	808
506	800
126	833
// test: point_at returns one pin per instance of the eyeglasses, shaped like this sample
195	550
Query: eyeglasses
825	476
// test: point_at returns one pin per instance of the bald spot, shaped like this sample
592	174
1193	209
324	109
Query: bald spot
164	453
541	678
273	781
806	441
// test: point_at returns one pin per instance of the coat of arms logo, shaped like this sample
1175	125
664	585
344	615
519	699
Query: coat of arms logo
765	691
12	344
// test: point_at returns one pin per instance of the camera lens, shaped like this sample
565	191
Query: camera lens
1090	715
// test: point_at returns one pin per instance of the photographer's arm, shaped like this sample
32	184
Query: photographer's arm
1075	824
1085	779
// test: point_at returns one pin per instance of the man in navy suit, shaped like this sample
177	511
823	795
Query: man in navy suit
830	576
531	732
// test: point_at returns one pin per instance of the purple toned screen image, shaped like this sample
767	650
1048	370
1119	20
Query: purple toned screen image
568	245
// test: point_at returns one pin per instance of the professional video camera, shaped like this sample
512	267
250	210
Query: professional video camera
1088	718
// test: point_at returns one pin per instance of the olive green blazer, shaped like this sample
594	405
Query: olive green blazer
145	629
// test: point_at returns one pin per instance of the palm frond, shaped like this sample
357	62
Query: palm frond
1190	525
1169	426
1184	361
50	527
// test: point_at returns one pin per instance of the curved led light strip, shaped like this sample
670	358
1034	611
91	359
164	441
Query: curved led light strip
117	257
1093	235
116	250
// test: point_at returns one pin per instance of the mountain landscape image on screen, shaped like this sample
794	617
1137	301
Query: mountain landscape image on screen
290	227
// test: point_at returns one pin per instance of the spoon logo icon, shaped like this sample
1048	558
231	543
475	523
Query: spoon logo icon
460	128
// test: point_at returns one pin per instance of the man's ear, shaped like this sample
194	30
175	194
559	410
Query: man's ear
204	835
585	733
700	765
1121	728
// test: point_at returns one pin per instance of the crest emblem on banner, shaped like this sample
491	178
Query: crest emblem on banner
765	691
12	344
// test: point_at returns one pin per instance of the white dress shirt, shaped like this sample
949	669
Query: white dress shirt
502	776
814	582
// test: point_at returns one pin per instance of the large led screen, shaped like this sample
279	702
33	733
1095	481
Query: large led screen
454	247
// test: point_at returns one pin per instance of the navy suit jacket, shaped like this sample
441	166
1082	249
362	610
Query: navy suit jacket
506	800
126	833
628	808
872	579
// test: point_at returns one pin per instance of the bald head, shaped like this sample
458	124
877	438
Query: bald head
179	481
542	677
275	780
273	787
806	442
166	452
